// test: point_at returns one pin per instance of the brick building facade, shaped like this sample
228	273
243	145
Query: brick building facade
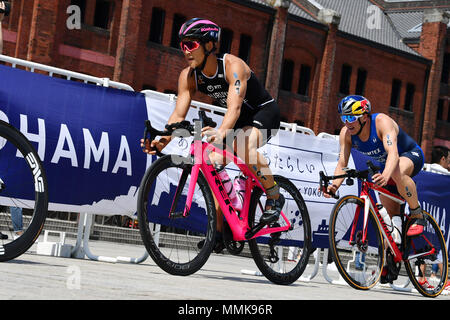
309	54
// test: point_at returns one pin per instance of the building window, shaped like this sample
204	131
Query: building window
244	47
178	21
448	114
82	5
102	14
157	25
300	123
395	93
148	87
409	97
446	69
305	77
287	73
440	110
361	82
345	79
226	38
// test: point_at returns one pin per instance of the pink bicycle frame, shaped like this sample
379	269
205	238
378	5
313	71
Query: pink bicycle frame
239	224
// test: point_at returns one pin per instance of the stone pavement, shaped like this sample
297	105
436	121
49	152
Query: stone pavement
39	277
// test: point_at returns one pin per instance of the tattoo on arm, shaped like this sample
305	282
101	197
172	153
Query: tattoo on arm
388	141
237	84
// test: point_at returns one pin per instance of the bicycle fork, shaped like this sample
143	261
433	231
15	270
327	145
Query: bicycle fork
182	214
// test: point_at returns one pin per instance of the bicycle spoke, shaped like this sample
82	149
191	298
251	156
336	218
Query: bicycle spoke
358	261
179	248
282	256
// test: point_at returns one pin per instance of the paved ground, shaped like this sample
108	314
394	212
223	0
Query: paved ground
39	277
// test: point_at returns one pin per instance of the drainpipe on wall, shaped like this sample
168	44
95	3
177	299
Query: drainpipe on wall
276	48
424	102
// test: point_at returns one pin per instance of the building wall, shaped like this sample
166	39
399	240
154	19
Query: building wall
36	30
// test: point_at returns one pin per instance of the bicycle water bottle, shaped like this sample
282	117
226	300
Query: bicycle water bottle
228	185
389	223
397	229
385	215
239	187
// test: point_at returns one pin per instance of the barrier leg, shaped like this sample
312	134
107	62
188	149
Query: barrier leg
77	250
87	250
340	281
402	288
84	229
316	267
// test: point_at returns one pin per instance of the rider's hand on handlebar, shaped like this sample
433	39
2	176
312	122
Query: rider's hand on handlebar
213	135
150	147
331	190
379	179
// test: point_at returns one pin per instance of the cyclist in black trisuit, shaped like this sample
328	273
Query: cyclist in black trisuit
231	83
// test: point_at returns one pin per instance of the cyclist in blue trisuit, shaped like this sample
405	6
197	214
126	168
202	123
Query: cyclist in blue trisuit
232	84
379	137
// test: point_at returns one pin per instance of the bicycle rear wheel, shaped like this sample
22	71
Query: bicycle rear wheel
178	245
424	252
359	263
23	192
283	256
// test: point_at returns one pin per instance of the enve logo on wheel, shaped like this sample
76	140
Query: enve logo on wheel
38	180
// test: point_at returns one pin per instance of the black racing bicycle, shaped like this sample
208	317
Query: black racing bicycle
23	193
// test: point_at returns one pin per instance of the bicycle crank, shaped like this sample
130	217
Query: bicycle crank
273	241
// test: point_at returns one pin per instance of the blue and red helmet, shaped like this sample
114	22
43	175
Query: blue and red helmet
201	29
354	105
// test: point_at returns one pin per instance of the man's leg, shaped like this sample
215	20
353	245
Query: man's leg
407	189
246	144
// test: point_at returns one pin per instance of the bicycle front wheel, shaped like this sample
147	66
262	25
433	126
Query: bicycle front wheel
282	256
23	193
179	245
359	261
426	258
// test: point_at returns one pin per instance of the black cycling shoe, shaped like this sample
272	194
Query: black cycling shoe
3	236
272	215
219	245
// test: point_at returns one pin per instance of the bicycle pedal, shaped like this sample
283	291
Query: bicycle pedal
177	215
250	233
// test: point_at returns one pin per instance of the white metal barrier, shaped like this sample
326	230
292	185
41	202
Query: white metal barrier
33	66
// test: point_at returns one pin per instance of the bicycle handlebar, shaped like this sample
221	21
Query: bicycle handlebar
350	174
151	133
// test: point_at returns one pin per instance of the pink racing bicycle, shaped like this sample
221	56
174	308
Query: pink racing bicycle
177	216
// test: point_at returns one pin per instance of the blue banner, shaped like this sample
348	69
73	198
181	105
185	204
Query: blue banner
86	135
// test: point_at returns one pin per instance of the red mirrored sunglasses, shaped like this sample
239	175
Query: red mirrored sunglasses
189	45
